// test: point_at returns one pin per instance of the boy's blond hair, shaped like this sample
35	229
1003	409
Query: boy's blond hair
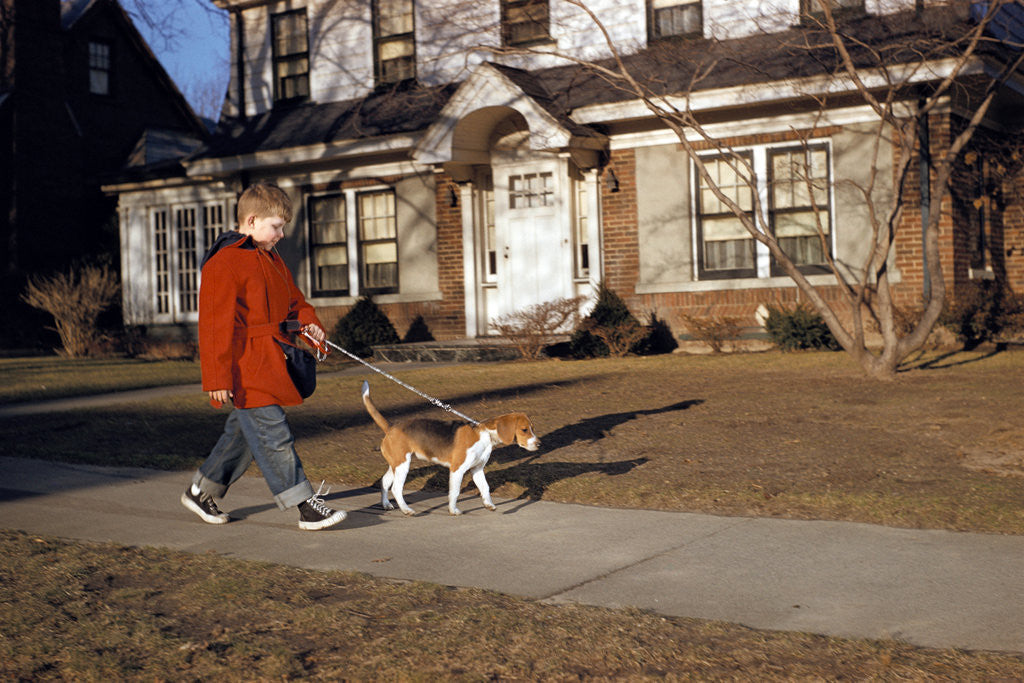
263	200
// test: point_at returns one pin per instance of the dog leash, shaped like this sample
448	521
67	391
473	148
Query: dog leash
322	354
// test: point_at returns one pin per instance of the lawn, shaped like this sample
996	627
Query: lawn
785	435
802	436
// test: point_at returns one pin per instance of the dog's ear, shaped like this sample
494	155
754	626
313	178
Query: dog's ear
504	425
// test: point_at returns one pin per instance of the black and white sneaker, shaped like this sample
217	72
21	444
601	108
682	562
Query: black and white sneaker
202	504
315	515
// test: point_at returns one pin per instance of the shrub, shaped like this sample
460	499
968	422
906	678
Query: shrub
609	321
362	327
532	328
658	338
982	311
798	328
75	300
714	331
417	332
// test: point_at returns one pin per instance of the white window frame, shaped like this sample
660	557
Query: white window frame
175	268
760	160
355	284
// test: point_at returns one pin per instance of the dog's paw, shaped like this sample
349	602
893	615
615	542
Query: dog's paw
454	512
491	506
408	512
387	506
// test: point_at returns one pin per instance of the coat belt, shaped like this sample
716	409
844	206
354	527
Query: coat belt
263	330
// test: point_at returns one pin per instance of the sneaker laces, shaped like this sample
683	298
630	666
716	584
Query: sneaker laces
318	503
207	500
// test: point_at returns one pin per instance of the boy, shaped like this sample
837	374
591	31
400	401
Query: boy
246	293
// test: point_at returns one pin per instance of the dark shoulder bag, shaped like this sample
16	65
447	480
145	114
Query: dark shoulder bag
301	368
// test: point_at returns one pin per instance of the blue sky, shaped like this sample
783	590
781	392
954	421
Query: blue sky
193	46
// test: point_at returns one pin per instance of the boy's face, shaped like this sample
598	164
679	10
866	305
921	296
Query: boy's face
265	231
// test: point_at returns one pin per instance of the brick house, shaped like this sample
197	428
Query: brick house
81	95
461	183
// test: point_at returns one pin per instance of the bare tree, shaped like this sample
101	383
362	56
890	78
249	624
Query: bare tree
904	77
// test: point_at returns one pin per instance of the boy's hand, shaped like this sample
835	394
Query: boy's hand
316	332
221	395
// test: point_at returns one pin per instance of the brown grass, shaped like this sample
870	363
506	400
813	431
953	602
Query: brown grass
802	435
96	611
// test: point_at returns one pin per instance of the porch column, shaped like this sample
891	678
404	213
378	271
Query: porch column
469	259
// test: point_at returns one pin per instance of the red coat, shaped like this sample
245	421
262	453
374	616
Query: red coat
246	292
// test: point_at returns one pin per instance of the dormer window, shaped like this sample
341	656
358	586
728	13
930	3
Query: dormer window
394	40
667	18
290	39
525	22
99	67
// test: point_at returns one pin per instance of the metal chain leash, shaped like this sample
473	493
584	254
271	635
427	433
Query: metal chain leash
320	355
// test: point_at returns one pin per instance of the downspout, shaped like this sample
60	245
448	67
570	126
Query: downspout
240	61
243	177
925	173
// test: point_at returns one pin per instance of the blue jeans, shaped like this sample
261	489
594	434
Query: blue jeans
261	434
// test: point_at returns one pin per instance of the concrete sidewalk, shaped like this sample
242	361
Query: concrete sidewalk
931	588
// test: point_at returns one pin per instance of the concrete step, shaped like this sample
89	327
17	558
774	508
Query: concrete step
455	350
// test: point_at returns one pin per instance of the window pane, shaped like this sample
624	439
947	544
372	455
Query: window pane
801	224
524	21
290	33
394	49
677	19
99	82
729	255
380	252
395	16
729	228
328	217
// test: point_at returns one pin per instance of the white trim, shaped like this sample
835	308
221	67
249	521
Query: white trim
341	149
401	298
394	168
777	90
760	126
469	258
725	285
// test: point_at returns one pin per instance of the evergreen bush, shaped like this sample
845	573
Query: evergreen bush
418	331
798	328
609	316
982	311
362	327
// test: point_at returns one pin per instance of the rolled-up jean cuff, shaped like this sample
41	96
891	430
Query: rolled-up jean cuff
290	498
209	486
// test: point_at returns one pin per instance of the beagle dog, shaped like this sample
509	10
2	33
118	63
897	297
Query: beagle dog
460	446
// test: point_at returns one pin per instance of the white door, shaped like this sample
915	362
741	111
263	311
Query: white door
532	229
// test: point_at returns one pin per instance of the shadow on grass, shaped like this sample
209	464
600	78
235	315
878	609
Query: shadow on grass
535	477
596	428
939	362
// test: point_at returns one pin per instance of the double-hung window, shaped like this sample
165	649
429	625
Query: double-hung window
799	208
378	242
329	245
795	182
290	40
525	22
100	67
394	40
727	248
667	18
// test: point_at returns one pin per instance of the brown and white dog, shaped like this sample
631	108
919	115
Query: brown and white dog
463	447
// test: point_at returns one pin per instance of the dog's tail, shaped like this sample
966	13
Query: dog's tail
372	409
